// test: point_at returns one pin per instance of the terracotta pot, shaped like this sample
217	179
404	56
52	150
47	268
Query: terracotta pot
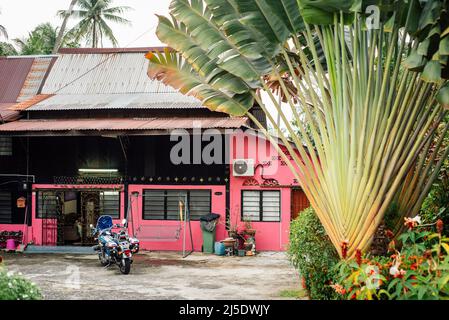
228	243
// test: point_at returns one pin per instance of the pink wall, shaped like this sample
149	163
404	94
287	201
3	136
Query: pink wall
269	236
218	203
273	236
17	227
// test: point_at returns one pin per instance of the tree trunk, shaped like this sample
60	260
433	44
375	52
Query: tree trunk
63	27
94	35
379	246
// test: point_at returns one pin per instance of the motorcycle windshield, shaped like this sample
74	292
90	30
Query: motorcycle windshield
104	222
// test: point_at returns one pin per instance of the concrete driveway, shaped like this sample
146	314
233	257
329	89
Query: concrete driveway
155	275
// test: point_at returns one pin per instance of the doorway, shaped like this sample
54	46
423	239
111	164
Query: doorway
67	214
299	202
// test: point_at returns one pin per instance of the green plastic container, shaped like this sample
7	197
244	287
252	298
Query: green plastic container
208	241
208	225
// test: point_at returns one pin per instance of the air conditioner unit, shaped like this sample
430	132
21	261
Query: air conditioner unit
243	168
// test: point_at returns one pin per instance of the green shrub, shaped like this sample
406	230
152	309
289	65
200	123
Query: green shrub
15	287
313	254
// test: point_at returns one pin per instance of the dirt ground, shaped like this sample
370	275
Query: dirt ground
155	275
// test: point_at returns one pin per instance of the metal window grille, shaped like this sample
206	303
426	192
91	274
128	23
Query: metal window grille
5	146
164	204
5	207
261	205
46	204
110	203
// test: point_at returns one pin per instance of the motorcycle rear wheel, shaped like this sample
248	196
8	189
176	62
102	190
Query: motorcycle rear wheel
125	268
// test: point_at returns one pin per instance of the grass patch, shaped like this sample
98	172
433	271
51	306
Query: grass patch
293	293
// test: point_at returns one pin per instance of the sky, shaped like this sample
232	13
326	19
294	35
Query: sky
21	16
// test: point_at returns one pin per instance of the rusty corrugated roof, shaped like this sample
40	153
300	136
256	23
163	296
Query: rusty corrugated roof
13	73
122	124
6	114
25	104
20	80
35	78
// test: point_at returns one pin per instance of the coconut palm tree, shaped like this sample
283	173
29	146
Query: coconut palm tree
41	40
3	31
94	16
368	115
61	32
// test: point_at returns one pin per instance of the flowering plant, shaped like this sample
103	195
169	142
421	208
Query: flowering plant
417	270
15	287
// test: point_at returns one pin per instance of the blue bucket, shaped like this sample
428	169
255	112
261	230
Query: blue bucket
219	249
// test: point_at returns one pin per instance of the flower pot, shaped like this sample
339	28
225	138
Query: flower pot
228	242
248	246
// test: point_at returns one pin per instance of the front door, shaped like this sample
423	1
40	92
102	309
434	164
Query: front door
299	202
90	211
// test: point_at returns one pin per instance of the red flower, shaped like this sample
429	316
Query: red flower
392	246
440	226
344	249
414	266
358	256
411	223
303	283
339	289
427	254
389	234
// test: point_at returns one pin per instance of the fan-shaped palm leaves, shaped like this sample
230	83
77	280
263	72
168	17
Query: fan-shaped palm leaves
3	31
94	16
367	123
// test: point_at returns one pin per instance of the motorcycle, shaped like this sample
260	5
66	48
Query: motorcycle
114	247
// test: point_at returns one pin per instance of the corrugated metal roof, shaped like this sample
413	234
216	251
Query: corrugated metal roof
116	101
6	114
102	74
20	80
35	78
109	50
13	73
107	79
23	105
122	124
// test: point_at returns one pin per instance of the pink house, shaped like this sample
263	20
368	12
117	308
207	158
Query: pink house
101	138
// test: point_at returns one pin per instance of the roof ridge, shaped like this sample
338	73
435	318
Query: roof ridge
109	50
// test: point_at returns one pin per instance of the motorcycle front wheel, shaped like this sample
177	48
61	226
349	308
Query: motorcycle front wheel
125	266
102	257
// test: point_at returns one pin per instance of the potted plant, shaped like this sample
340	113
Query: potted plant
249	230
233	228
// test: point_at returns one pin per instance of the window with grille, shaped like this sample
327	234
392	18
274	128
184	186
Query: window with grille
46	204
5	207
262	205
164	204
110	203
5	146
